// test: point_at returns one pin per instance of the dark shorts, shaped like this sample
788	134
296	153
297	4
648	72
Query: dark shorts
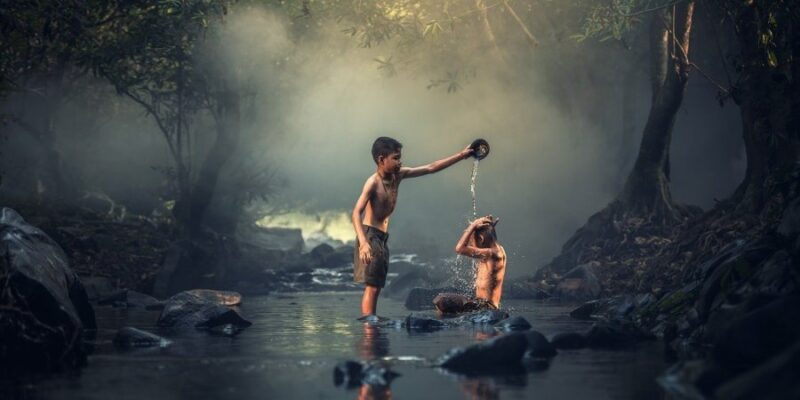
373	274
454	303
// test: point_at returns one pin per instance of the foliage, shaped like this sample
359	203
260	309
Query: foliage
614	19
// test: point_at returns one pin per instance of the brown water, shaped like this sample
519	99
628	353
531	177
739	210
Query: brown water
296	340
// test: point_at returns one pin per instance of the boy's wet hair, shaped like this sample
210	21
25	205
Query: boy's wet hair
383	146
490	230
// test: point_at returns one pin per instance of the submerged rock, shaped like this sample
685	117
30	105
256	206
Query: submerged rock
127	337
44	308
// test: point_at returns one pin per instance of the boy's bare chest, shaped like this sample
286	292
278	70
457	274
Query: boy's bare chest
385	197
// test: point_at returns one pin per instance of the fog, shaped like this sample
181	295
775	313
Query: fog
557	153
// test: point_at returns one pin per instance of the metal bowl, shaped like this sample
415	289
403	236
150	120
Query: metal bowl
480	148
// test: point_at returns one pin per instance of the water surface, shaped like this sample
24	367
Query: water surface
297	339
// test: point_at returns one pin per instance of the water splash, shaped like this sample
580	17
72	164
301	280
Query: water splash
472	188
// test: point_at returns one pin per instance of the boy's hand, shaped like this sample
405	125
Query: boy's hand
467	152
364	253
487	220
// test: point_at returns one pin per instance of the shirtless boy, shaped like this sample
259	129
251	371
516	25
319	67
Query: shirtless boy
479	241
377	202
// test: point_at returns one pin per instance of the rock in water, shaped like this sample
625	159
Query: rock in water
486	317
422	322
202	309
45	308
131	337
515	323
498	353
538	346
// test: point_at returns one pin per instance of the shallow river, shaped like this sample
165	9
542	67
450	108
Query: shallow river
297	339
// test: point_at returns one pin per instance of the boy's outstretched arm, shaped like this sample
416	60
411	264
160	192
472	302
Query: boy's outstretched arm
435	166
364	251
463	247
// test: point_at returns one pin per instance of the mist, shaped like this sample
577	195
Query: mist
319	101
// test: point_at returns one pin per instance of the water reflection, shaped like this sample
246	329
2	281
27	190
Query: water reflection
373	343
369	392
488	387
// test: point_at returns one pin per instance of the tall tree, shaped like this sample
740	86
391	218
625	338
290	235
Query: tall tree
162	73
768	94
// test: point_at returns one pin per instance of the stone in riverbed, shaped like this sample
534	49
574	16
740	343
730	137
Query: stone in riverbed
203	309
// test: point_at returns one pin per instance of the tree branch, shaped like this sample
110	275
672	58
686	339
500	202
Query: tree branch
528	33
150	110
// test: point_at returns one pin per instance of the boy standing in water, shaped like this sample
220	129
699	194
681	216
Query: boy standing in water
377	202
479	241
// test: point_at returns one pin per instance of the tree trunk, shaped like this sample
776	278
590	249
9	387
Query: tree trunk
768	100
227	125
646	192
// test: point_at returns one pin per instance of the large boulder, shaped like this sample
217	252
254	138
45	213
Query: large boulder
202	309
44	308
758	335
774	379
